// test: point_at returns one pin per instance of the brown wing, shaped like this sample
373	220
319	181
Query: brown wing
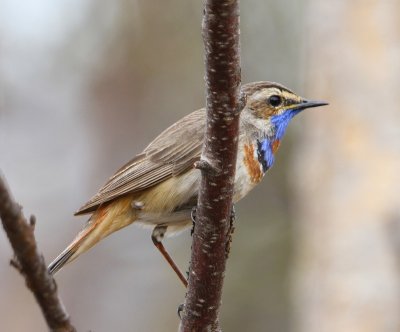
171	153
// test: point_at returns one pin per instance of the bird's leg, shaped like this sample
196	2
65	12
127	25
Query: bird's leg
157	236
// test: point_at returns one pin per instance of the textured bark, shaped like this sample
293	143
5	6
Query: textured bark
211	235
31	263
347	175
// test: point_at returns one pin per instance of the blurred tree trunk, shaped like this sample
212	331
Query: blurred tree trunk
347	174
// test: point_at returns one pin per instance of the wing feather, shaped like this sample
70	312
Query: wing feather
169	154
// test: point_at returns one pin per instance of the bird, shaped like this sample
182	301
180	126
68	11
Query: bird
158	188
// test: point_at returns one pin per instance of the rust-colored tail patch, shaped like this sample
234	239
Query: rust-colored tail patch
106	220
67	255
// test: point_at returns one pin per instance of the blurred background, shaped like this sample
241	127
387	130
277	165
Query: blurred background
85	85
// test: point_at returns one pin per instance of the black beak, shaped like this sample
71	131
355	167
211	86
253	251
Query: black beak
310	103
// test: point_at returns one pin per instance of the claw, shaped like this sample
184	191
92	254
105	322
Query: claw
193	217
233	214
230	231
181	307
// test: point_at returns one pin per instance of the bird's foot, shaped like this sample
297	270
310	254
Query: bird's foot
193	217
180	309
231	229
233	215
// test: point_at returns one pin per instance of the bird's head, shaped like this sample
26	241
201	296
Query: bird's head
269	108
275	104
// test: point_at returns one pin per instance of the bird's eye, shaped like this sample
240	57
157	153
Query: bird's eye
275	100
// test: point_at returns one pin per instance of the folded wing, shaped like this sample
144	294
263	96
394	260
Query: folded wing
174	151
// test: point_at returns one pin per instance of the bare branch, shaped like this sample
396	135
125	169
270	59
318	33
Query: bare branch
31	263
212	232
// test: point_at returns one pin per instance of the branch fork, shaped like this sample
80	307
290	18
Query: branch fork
207	167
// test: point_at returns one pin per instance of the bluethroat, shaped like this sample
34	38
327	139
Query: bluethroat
158	187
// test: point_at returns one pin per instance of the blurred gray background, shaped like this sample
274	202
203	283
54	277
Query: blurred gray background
85	85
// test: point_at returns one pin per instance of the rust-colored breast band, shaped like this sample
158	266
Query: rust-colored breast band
252	164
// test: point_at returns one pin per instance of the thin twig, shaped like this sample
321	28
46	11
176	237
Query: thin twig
31	263
212	232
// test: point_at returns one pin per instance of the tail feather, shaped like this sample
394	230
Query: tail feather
60	261
84	240
103	222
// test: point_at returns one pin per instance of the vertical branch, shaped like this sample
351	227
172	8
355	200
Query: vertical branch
212	231
31	263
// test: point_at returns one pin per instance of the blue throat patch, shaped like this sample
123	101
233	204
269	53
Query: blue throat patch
281	121
265	154
264	147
